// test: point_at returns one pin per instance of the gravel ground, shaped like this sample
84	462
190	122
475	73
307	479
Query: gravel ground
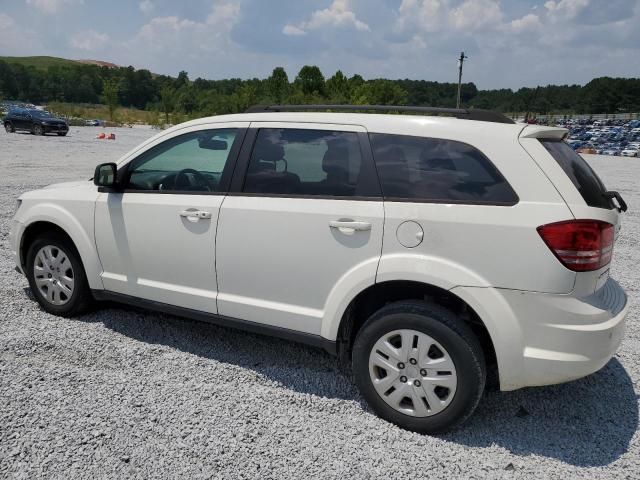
122	393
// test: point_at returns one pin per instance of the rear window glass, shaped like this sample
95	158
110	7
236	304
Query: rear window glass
579	172
437	170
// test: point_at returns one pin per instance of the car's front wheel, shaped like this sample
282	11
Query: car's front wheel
419	366
9	128
56	275
38	130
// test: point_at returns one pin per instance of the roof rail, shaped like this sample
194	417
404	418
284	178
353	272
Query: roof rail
467	114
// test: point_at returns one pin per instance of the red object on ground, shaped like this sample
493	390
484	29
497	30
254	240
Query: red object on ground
112	136
101	136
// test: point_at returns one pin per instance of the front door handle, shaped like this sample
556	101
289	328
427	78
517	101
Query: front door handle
195	213
350	225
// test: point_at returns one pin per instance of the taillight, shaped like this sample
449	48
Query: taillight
581	245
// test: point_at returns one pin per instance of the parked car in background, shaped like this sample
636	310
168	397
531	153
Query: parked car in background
425	255
38	122
629	152
93	123
607	137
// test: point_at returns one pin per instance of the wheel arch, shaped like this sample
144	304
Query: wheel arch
69	227
375	296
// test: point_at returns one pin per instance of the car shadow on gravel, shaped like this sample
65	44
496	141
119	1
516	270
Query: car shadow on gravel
588	422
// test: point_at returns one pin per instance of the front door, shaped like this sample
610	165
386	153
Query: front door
307	215
156	239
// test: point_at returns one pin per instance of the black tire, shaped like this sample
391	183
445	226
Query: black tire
38	130
9	128
62	134
81	298
448	330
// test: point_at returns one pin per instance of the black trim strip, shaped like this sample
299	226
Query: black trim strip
311	197
236	323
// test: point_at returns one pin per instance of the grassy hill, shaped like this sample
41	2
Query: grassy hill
39	62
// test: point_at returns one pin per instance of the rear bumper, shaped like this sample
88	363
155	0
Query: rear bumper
579	340
556	338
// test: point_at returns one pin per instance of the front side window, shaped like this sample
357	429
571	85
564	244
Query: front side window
437	170
193	162
308	162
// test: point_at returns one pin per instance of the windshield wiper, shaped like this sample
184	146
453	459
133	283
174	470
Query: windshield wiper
622	205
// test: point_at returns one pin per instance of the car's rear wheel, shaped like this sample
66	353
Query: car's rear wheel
56	275
419	366
9	128
38	130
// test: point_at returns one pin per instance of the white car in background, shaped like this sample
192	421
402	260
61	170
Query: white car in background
425	251
629	152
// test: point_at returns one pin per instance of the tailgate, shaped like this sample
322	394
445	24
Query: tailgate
578	184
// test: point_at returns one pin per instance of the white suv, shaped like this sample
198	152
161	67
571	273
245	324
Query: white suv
425	251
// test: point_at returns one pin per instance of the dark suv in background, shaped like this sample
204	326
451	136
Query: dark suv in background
38	122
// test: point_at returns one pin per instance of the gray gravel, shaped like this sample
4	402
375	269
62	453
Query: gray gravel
123	393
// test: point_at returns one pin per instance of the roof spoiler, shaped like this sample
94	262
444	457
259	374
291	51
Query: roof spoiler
538	131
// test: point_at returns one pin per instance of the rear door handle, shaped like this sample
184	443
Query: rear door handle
195	213
350	225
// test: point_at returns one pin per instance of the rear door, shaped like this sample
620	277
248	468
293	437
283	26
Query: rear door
304	212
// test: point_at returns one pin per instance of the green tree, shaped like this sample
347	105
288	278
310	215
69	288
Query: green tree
278	85
310	80
337	88
110	96
182	80
380	92
167	101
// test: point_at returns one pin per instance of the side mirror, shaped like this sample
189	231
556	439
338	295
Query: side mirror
105	175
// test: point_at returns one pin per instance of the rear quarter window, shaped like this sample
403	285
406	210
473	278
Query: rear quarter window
437	170
579	172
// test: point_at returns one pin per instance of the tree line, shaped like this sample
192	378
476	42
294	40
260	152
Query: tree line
128	87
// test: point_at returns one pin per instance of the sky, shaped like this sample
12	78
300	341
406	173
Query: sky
510	43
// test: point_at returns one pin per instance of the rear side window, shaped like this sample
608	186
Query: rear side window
288	161
437	170
581	174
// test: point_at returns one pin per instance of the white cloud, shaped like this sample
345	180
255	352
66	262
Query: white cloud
51	6
147	6
15	39
180	37
439	15
293	30
426	13
89	40
566	8
476	15
337	15
529	23
6	22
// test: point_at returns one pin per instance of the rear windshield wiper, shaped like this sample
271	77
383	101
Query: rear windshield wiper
622	205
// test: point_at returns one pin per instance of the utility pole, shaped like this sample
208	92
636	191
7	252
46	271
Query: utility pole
460	62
